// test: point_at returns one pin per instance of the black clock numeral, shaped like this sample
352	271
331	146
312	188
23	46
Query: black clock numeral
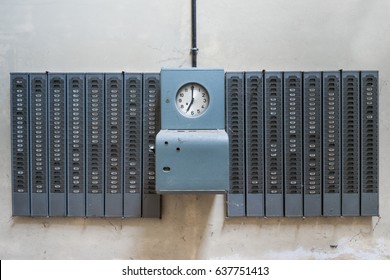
202	106
203	94
180	100
198	111
182	106
204	100
182	94
192	113
186	89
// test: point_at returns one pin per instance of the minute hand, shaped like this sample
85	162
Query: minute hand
192	99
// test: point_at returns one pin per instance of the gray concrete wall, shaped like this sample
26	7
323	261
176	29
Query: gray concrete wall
139	35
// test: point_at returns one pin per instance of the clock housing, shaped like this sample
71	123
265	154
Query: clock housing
205	81
192	147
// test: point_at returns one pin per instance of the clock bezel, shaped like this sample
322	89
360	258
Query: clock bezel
203	88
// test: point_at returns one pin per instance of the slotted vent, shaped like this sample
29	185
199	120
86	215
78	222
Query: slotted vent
312	145
331	135
235	128
151	128
293	135
95	135
57	135
114	136
20	132
133	120
38	138
274	140
370	135
350	132
76	135
255	162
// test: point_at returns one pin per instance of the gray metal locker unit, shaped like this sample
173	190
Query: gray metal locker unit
39	146
254	124
76	144
151	201
113	145
293	144
350	144
312	147
132	135
95	145
369	143
234	94
57	144
331	143
20	128
273	147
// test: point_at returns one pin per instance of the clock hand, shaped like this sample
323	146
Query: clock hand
192	99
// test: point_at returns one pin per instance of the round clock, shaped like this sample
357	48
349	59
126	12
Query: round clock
192	100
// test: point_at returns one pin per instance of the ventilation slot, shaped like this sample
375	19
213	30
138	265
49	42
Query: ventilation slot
133	117
95	136
114	135
76	135
235	124
274	140
38	137
369	135
312	135
293	135
57	135
20	130
331	135
350	135
151	128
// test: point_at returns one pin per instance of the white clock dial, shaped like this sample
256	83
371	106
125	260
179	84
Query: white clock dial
192	100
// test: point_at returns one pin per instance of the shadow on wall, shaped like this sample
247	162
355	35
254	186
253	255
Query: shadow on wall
176	236
184	232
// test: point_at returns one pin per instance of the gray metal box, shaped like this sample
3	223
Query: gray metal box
192	161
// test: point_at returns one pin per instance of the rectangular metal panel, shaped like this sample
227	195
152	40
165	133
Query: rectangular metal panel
369	121
331	144
132	134
151	202
57	144
95	145
350	144
192	161
273	147
293	144
76	144
114	145
254	124
39	122
235	127
312	147
20	128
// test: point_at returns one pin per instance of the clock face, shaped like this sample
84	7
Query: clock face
192	100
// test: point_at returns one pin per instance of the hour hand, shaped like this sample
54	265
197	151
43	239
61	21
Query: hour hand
189	106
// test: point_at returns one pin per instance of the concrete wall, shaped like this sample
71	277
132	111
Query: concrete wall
139	35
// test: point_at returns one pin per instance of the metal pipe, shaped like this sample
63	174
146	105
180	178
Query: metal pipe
194	49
